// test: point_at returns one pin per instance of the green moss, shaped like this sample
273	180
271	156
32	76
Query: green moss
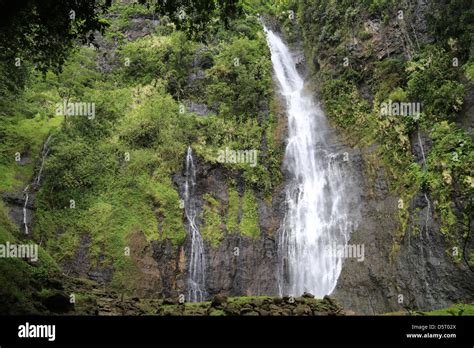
25	137
249	225
211	230
455	310
241	300
169	212
232	221
451	163
469	71
432	82
20	280
217	313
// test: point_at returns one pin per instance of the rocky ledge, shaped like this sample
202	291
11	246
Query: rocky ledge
96	301
220	305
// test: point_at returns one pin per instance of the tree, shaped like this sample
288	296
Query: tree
195	16
44	31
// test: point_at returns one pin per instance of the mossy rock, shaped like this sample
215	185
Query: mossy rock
216	313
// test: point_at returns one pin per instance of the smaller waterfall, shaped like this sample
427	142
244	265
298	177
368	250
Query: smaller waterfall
36	183
25	210
44	154
197	277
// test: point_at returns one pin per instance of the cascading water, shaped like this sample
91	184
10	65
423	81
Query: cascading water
44	154
320	216
197	276
35	184
25	209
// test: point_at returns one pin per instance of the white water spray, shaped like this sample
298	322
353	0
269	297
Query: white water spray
197	276
318	193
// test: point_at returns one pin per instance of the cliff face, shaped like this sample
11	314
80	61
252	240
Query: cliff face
409	262
239	223
414	210
422	272
238	265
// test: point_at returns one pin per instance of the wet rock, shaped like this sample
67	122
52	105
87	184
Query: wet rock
277	300
199	109
248	312
299	300
58	303
170	301
218	300
302	309
232	309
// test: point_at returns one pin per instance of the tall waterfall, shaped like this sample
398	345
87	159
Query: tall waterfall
196	269
320	218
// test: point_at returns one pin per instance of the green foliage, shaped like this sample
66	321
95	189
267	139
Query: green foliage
21	280
151	124
431	81
78	74
469	71
249	225
388	75
44	33
166	201
343	103
150	58
127	10
12	80
240	79
232	221
212	221
451	163
431	78
455	310
23	136
75	165
108	178
198	18
452	22
378	8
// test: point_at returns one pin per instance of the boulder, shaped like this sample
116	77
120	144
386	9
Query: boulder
219	300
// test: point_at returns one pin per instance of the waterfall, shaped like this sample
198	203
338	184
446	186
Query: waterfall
35	184
44	154
321	214
25	210
196	275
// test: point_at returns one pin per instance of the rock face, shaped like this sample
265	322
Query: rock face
252	272
238	265
420	275
16	204
80	264
400	270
